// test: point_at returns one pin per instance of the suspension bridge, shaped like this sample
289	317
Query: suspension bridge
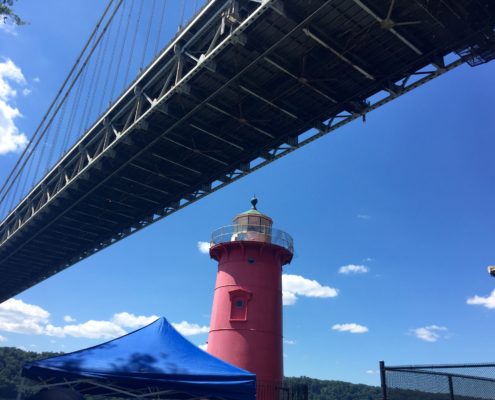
157	113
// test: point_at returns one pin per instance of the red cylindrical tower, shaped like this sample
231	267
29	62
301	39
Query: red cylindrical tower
246	320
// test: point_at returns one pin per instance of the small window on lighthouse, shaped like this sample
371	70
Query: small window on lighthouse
239	304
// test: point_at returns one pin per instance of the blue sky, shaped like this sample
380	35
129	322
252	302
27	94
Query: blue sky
405	199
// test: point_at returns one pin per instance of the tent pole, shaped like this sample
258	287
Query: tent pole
21	389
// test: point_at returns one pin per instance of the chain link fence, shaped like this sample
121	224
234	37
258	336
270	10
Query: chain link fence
268	391
438	382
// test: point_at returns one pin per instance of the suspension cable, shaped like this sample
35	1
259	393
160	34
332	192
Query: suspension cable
10	180
26	149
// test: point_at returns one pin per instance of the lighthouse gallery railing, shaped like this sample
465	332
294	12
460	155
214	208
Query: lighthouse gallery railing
260	233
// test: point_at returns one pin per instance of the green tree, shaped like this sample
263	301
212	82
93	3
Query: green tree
334	390
6	13
11	362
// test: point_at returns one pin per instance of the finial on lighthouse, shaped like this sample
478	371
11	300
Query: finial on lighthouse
254	201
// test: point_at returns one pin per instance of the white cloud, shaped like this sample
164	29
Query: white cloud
92	329
203	346
351	328
488	301
89	330
19	317
10	137
353	269
372	371
429	333
363	216
204	247
2	339
68	318
288	341
288	298
36	79
26	92
187	329
296	285
128	320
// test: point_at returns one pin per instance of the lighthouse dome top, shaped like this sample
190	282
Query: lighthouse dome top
259	218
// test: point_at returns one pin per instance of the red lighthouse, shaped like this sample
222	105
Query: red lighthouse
246	320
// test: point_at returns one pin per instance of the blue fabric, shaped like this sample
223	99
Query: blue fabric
155	356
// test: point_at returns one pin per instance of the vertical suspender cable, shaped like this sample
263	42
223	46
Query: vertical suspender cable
99	91
51	146
25	175
122	47
183	9
164	5
93	66
41	153
113	61
95	92
74	110
14	194
145	47
138	20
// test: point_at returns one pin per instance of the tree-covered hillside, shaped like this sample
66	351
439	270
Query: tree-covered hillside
11	362
335	390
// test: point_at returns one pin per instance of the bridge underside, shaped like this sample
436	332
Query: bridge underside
234	91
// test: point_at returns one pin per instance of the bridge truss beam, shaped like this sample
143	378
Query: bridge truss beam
244	84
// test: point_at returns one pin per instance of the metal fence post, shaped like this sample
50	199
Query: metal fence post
451	388
383	380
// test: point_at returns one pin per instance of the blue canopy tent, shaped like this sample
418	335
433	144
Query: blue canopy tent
154	361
